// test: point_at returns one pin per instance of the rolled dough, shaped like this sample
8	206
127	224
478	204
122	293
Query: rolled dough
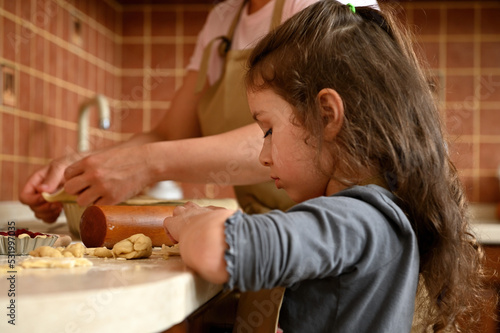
134	247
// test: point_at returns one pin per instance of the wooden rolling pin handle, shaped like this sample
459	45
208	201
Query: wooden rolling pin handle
107	225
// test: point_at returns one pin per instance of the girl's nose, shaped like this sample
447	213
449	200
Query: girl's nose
265	154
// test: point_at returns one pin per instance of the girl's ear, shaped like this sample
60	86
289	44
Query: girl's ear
332	110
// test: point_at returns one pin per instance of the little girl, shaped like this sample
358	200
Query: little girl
352	134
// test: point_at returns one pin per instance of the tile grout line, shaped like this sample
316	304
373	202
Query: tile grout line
42	75
146	77
460	38
158	39
442	40
170	7
63	133
65	5
17	143
470	138
23	159
46	65
115	5
470	172
2	37
117	54
179	44
57	103
468	71
31	106
56	40
476	151
65	124
457	5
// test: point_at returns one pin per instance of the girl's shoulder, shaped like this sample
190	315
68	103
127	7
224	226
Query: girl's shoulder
361	203
362	194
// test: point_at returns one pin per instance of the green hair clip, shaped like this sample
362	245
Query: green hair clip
351	6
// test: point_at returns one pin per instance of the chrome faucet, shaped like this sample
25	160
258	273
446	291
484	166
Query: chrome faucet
83	119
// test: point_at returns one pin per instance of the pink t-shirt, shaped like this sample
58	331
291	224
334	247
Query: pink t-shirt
249	30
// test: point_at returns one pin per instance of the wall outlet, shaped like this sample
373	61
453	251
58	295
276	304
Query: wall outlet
75	28
8	85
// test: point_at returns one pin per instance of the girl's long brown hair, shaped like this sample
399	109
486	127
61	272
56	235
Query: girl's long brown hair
392	125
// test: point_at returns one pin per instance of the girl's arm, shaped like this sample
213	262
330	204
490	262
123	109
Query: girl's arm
200	233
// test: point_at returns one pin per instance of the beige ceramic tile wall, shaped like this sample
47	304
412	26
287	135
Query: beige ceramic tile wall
133	55
136	55
462	42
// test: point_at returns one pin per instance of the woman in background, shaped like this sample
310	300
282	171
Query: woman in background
211	101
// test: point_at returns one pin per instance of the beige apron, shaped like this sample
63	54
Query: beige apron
224	107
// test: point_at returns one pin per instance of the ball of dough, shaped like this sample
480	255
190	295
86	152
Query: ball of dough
77	250
101	252
67	254
46	251
136	246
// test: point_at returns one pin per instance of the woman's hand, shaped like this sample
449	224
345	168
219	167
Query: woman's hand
200	233
47	179
111	176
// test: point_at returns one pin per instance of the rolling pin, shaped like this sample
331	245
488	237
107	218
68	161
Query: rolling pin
107	225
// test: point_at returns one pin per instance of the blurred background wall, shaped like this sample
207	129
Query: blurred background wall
60	53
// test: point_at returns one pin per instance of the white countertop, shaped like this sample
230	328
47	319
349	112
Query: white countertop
487	233
146	295
485	224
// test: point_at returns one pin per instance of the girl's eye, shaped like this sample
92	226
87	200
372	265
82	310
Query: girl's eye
269	132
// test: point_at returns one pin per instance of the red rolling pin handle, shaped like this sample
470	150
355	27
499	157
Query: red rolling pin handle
107	225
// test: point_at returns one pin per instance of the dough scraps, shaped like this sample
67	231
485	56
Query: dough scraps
134	247
76	250
168	251
7	269
101	252
56	263
46	251
60	257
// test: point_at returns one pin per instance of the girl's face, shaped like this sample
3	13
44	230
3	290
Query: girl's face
291	160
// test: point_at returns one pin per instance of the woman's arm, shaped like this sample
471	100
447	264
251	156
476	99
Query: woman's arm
113	176
179	122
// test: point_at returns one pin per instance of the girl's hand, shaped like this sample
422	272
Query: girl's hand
200	233
182	216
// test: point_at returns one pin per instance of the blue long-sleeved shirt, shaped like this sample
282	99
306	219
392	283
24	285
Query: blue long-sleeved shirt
349	262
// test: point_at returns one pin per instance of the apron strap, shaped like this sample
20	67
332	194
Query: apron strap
255	302
277	13
224	47
202	74
225	44
232	29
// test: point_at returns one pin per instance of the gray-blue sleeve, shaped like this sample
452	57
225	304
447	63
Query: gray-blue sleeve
320	238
